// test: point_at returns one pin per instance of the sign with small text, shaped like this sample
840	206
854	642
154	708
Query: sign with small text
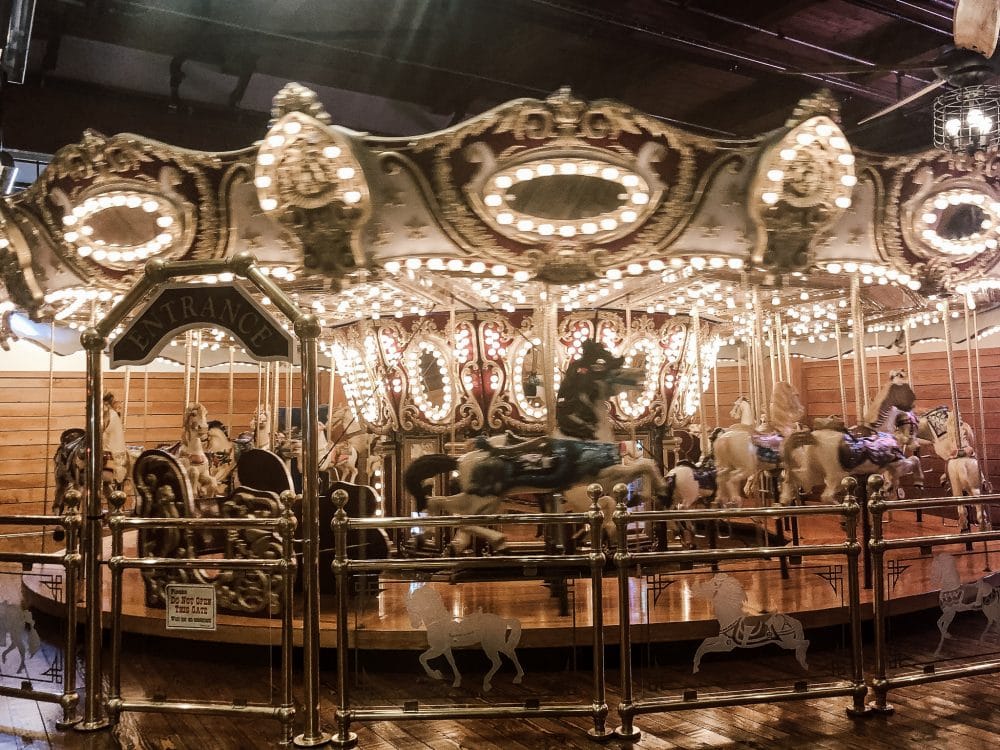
190	606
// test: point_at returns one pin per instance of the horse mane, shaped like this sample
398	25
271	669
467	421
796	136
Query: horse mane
786	407
216	424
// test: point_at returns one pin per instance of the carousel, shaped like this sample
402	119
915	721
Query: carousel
503	319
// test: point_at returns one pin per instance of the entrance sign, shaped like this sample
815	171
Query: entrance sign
179	307
190	606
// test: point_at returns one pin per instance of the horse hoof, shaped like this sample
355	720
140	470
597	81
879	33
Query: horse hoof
436	675
517	680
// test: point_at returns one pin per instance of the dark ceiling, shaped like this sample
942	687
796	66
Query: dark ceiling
201	73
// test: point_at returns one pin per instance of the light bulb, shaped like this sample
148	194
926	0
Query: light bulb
952	126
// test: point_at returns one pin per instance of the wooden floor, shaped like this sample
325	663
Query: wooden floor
957	715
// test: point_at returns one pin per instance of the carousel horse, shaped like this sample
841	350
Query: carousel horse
70	457
963	474
17	624
742	453
549	463
191	451
737	629
955	596
826	455
497	635
742	411
352	443
221	452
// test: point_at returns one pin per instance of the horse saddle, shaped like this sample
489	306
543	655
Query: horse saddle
545	463
704	473
767	445
880	449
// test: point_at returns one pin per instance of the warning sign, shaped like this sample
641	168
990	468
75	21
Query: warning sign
190	607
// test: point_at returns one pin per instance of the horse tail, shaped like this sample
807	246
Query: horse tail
793	442
514	637
423	468
671	487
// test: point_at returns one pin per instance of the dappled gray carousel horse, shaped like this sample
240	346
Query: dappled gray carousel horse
582	450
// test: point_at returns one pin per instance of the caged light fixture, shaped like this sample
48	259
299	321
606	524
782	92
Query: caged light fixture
967	119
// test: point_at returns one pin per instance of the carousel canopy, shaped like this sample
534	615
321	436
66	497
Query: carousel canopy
593	204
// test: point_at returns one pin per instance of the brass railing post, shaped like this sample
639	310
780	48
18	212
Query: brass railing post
287	710
876	507
117	502
93	708
596	520
344	736
307	329
622	558
851	513
71	561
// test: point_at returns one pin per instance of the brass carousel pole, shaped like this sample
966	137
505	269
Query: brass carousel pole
274	402
911	376
860	377
696	332
125	398
196	337
550	330
840	372
739	370
231	388
145	404
187	369
48	422
982	411
329	420
955	409
878	363
94	716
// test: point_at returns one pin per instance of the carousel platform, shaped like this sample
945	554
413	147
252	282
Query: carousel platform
663	606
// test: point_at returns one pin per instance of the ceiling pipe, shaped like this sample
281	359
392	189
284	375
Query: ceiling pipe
715	49
875	7
684	6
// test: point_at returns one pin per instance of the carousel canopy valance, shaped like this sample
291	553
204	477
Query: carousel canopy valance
601	203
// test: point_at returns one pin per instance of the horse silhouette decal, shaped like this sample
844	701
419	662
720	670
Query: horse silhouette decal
497	635
18	625
980	596
737	629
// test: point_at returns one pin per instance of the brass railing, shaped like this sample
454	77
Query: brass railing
882	682
589	565
627	561
283	710
69	558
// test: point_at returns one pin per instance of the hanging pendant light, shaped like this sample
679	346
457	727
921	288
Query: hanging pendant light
967	119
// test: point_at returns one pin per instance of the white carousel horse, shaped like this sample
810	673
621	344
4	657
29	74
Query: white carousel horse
826	456
963	473
742	411
497	635
70	456
982	595
18	625
260	427
191	452
544	464
737	629
221	452
356	454
741	454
